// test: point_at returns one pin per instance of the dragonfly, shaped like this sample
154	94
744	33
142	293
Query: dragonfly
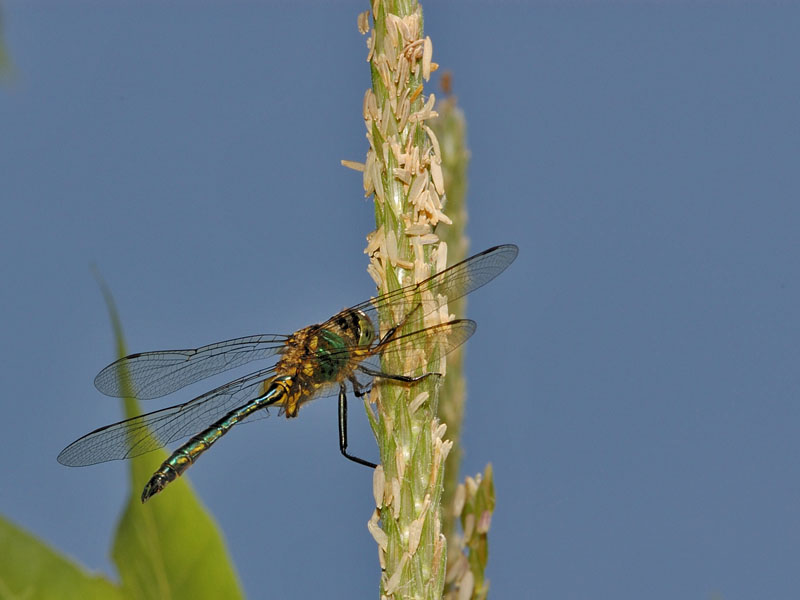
342	355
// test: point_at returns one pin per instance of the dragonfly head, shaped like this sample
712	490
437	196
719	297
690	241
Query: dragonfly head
366	330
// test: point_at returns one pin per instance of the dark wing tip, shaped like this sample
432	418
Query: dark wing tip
468	326
510	251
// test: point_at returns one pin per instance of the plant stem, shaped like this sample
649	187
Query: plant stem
403	173
450	129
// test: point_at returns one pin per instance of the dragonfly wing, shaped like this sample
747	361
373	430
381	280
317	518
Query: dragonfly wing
422	345
452	283
151	431
156	374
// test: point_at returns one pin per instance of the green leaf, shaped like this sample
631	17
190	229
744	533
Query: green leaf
5	60
169	548
30	569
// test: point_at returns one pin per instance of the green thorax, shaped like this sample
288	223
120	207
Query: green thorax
332	355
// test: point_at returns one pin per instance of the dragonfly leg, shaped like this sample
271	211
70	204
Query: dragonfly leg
343	430
388	336
359	389
403	378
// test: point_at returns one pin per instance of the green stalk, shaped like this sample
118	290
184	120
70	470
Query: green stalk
450	128
470	504
403	173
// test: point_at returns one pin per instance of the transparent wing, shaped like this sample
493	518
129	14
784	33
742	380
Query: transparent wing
421	345
452	283
153	430
156	374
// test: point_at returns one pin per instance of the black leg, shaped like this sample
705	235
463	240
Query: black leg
404	378
360	390
343	430
388	336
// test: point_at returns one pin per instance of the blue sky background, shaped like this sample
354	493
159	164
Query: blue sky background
634	375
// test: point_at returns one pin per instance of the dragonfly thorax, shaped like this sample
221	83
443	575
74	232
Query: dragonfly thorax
324	354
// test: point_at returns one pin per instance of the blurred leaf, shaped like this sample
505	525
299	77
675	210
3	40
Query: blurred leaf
5	59
169	547
30	569
5	63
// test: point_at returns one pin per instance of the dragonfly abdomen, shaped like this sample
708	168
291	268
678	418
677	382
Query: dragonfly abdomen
185	456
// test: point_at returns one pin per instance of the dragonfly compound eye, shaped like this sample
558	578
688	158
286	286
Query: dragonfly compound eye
366	330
